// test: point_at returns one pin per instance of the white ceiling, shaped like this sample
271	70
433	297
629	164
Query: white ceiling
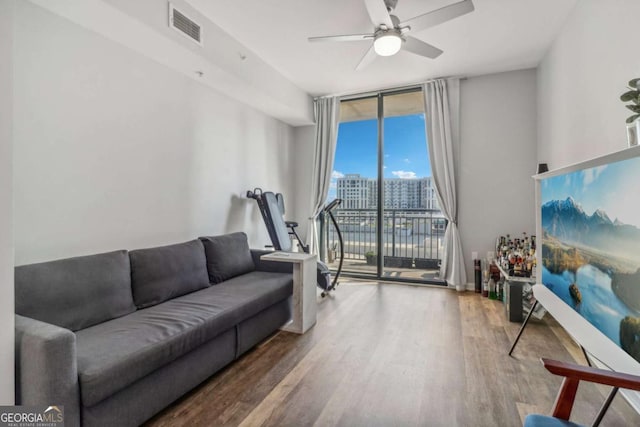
500	35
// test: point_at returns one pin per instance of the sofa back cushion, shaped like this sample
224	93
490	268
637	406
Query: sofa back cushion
227	256
75	293
162	273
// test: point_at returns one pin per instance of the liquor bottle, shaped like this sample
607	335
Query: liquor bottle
478	275
492	289
533	266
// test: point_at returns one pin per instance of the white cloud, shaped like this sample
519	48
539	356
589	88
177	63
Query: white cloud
333	185
407	161
336	175
404	174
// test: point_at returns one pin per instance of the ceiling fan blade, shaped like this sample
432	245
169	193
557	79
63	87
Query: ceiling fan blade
367	58
421	48
378	13
438	16
342	38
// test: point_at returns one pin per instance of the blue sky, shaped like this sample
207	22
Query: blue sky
612	188
405	149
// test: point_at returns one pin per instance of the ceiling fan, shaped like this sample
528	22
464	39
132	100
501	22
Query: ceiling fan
390	34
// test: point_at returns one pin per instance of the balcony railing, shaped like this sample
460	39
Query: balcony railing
412	238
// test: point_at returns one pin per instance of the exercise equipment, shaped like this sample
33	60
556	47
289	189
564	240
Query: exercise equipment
328	210
272	209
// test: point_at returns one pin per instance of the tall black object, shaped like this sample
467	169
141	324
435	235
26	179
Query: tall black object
513	301
477	268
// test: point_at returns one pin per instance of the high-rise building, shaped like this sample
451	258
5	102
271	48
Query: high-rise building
358	192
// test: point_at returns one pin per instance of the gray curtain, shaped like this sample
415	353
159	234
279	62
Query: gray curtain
442	108
327	115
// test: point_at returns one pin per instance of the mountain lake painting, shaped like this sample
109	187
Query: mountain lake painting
591	247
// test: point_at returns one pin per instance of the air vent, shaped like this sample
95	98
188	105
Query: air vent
185	25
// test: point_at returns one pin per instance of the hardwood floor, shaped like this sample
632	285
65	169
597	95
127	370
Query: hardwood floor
395	355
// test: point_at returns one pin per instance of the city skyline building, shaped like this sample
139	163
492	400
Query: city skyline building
358	192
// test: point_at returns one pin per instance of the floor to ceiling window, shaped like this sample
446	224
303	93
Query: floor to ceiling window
389	216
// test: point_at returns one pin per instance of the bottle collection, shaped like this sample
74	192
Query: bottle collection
517	256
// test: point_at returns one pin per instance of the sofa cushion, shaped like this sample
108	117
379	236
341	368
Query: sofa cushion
114	354
165	272
75	293
228	256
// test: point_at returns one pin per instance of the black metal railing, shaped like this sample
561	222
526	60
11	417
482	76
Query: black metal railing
412	237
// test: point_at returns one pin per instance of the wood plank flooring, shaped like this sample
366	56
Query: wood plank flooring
395	355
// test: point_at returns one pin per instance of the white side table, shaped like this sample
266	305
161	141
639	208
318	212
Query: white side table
305	304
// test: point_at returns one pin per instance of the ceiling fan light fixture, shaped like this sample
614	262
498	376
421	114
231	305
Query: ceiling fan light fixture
387	44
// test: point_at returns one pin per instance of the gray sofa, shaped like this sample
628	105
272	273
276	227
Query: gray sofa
116	337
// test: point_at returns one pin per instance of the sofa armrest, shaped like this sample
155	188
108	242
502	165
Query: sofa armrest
270	266
46	367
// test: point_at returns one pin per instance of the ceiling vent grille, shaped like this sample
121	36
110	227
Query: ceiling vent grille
186	26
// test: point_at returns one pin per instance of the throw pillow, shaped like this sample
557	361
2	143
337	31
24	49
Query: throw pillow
227	256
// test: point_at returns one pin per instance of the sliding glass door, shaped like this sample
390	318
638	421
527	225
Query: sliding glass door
389	216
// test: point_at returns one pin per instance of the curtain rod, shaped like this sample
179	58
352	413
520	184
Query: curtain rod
347	96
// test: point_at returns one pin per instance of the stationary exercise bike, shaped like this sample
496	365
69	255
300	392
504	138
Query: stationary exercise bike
280	231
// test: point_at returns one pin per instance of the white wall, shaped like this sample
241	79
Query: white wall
581	79
116	151
6	234
497	159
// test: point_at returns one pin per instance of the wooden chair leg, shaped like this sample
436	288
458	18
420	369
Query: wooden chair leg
566	396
